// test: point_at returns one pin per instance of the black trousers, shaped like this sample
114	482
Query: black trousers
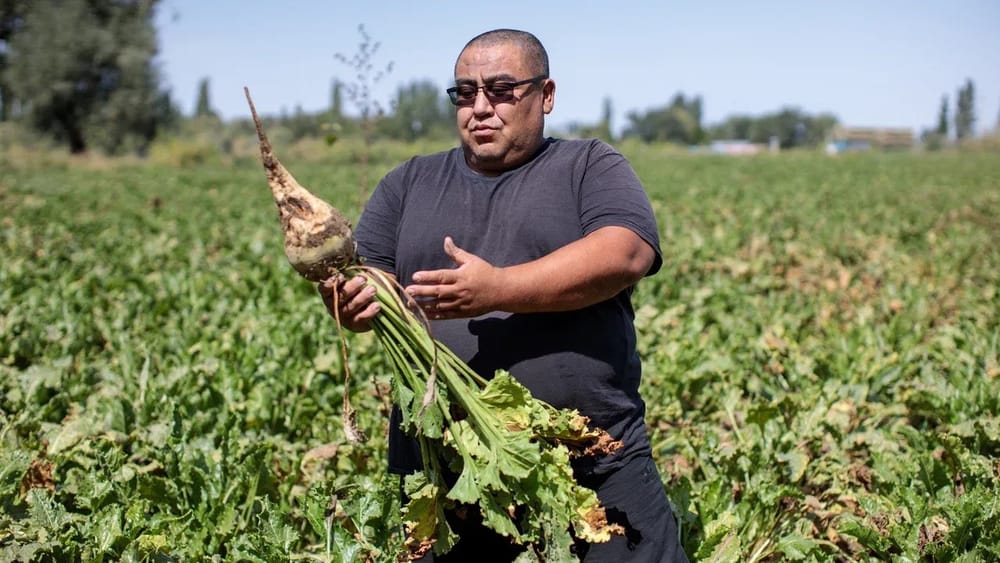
632	496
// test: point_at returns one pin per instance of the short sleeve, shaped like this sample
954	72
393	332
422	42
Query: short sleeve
612	195
377	230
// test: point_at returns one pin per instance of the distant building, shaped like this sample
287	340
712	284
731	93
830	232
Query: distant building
731	147
850	139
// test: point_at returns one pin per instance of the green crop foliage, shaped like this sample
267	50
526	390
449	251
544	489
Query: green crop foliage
821	365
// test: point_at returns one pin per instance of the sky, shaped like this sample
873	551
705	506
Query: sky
871	63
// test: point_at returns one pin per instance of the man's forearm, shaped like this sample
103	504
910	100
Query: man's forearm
580	274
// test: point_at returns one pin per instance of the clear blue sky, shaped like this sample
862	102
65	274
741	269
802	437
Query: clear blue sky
871	63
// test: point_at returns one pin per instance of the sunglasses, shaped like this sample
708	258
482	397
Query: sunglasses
496	92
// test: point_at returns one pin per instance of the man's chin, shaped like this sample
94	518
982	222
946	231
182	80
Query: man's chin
486	146
485	152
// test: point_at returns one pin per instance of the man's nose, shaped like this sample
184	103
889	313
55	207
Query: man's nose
482	105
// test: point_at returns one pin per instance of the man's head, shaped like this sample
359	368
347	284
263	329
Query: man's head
501	128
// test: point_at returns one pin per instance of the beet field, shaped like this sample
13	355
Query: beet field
821	364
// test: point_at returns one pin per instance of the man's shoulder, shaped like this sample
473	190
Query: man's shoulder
580	146
430	160
581	153
401	177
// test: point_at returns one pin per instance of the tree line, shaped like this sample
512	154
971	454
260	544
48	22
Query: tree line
964	122
83	73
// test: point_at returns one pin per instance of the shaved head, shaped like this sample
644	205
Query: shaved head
537	58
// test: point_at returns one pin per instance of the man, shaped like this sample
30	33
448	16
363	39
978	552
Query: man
523	251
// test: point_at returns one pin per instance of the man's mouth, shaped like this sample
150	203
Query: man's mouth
483	132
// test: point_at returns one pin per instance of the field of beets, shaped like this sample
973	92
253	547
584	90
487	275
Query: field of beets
821	355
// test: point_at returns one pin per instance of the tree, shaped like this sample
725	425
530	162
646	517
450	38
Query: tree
791	126
600	130
419	109
934	139
670	123
734	127
942	126
301	125
965	111
203	107
794	128
694	106
84	71
333	122
603	129
11	20
336	100
678	122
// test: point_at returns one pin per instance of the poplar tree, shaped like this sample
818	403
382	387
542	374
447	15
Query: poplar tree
203	107
965	112
942	126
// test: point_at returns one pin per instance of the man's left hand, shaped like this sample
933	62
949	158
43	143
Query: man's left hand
470	289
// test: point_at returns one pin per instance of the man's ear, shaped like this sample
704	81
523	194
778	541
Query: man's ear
548	95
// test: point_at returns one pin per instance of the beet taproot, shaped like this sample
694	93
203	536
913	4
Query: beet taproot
318	238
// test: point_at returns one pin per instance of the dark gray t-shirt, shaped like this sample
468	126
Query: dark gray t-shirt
584	359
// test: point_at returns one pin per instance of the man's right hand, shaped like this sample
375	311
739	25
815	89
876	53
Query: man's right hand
356	303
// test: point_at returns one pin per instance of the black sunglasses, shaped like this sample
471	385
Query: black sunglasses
496	92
